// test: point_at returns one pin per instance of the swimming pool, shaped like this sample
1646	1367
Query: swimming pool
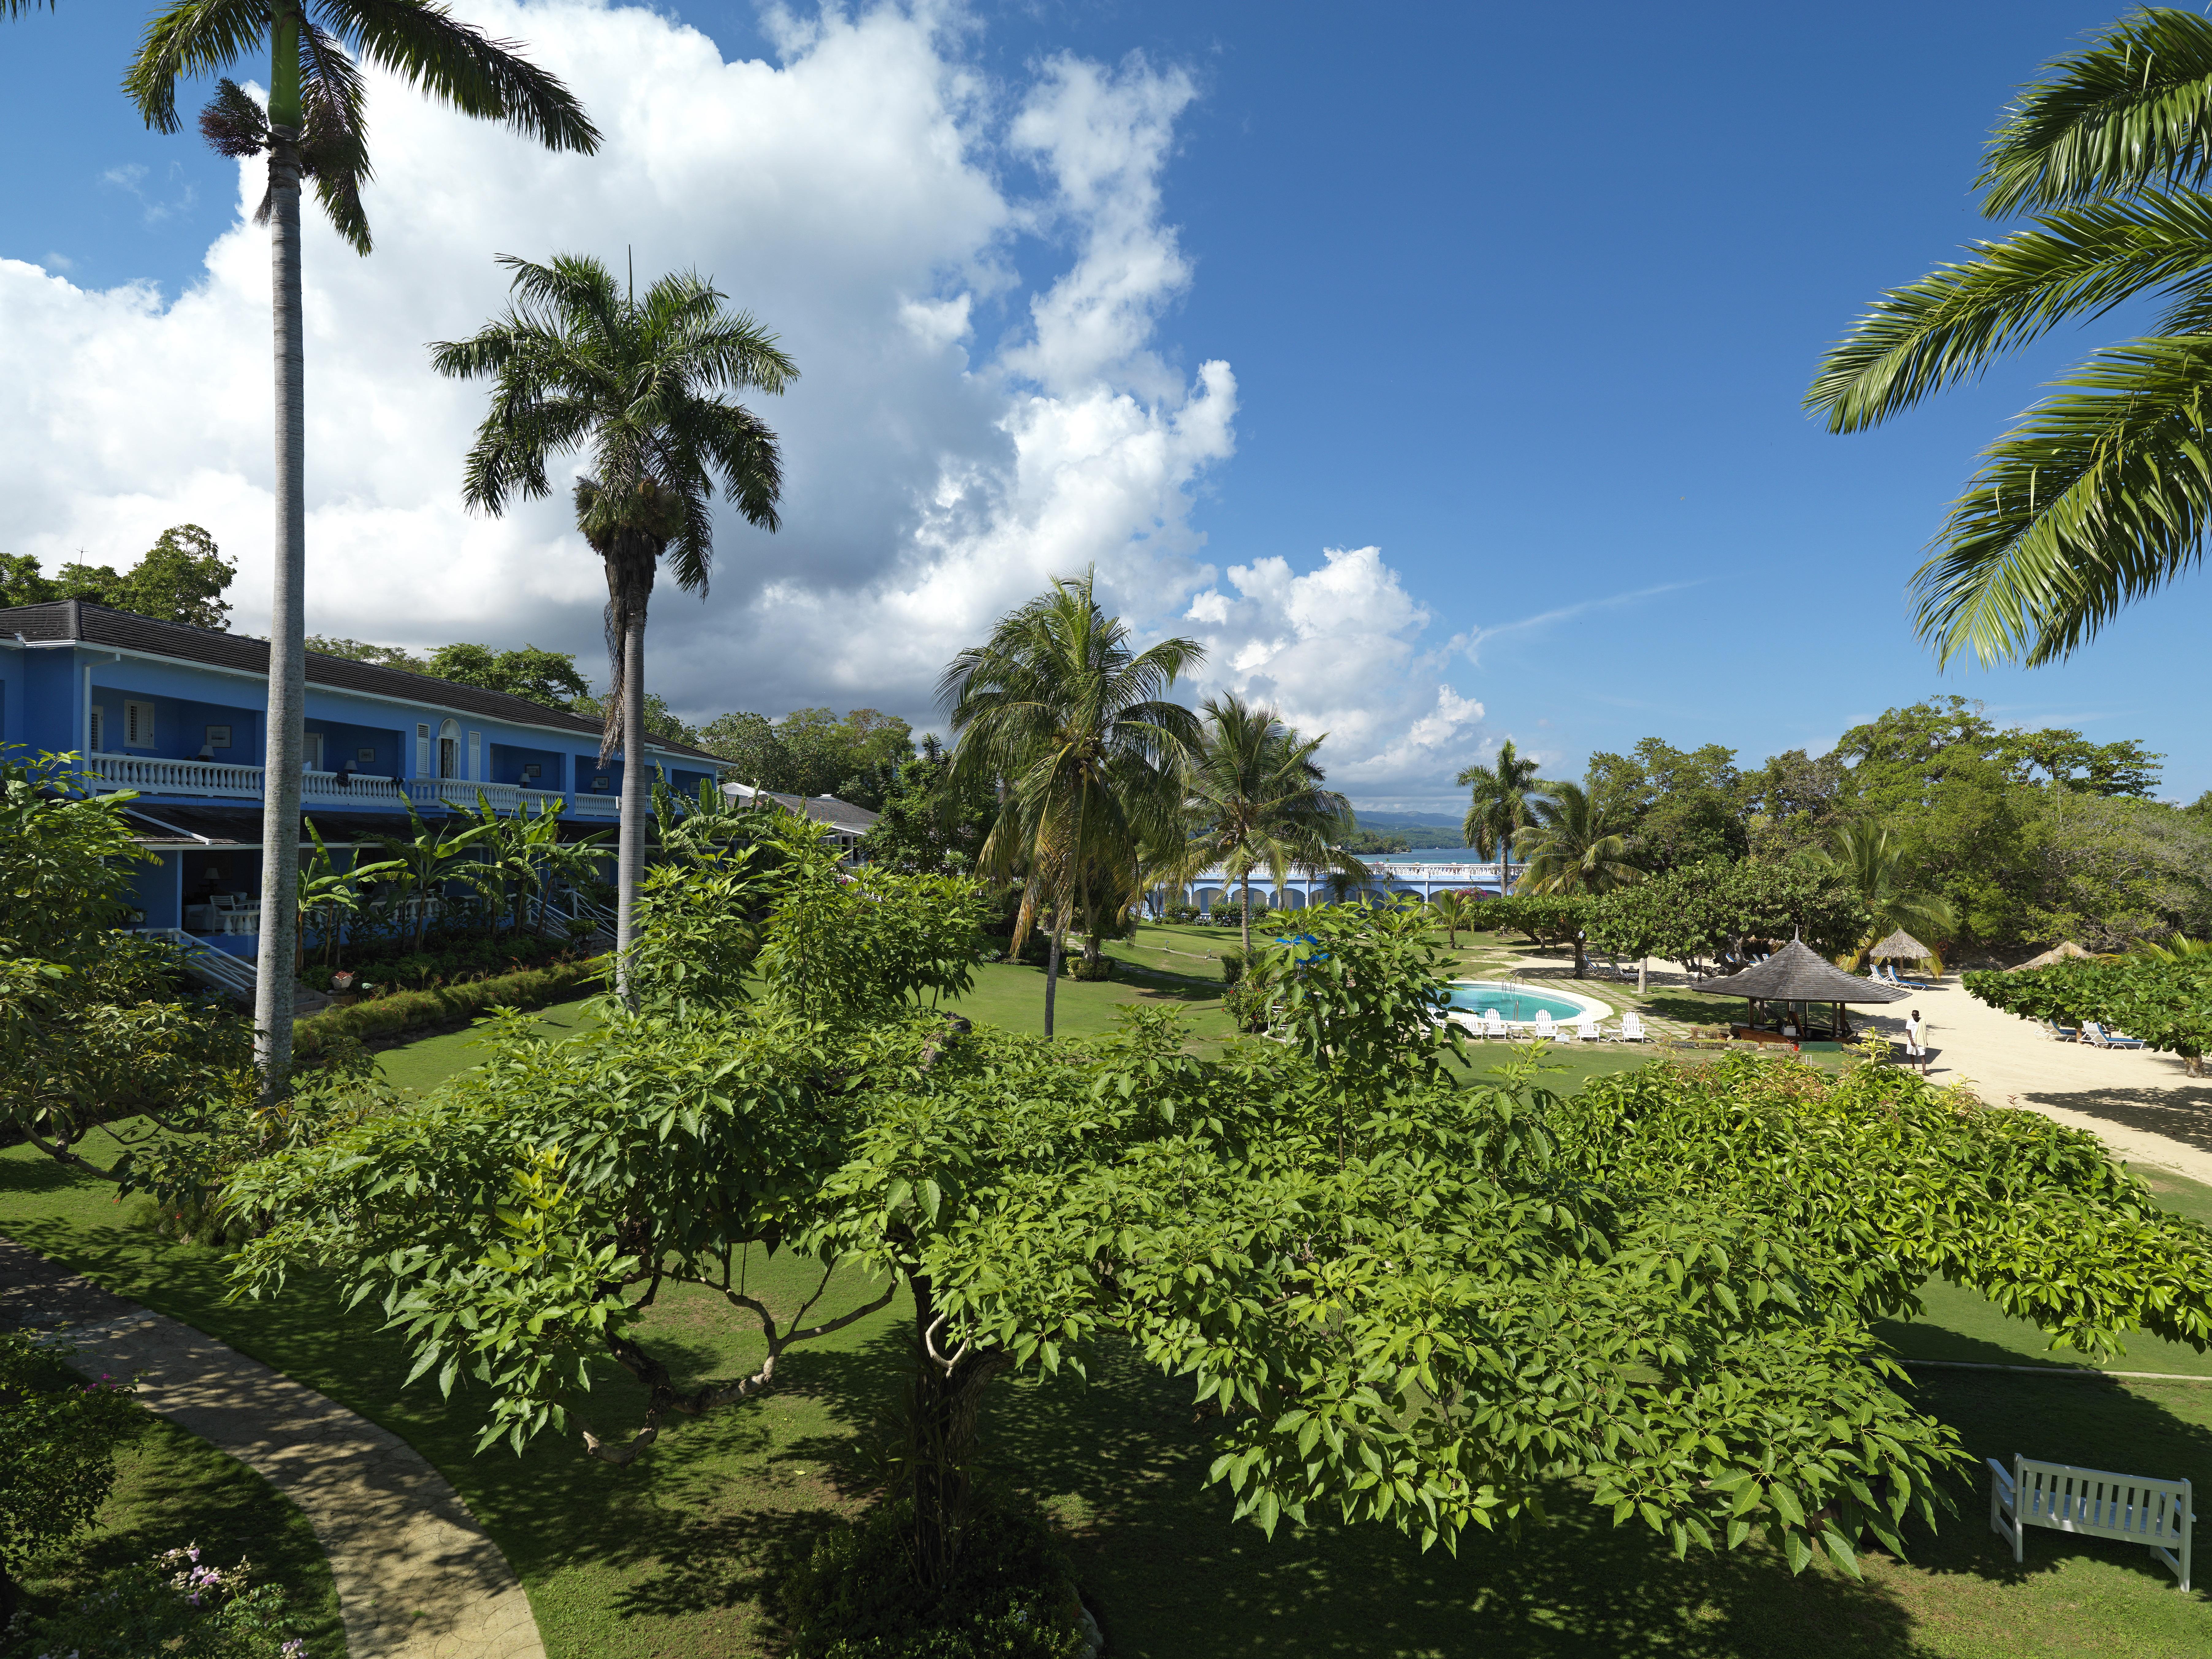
1519	1002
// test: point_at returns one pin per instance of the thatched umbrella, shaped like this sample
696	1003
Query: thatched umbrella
1900	946
1797	975
2067	952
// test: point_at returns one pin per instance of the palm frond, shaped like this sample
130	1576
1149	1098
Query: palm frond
1950	324
2097	498
423	44
2133	105
184	41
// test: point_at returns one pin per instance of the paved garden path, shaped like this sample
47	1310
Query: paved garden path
416	1578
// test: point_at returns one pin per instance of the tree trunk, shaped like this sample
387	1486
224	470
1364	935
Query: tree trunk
1246	920
287	622
630	858
941	1430
1582	957
1051	970
1643	976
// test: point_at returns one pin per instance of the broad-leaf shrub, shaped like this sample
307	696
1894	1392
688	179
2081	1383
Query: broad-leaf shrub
57	1444
2168	1004
1405	1300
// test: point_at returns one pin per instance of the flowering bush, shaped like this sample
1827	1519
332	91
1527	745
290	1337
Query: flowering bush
57	1441
173	1604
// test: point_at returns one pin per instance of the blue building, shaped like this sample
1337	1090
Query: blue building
180	714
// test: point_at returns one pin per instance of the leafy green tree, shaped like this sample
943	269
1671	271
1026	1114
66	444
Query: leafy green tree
578	361
550	677
659	721
814	751
1383	1285
1712	913
1500	798
182	579
1570	849
2167	1002
2097	497
313	128
57	1445
1254	800
934	822
93	1031
1059	708
1889	886
384	656
1681	805
2113	872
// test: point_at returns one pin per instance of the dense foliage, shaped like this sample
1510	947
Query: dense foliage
176	1606
855	756
2168	1003
1403	1300
94	1023
2020	834
182	578
1710	915
58	1445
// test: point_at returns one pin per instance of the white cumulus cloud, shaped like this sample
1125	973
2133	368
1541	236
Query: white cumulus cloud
970	271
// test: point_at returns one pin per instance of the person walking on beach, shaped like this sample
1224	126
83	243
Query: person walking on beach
1913	1029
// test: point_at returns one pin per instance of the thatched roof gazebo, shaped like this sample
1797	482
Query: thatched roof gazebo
1900	946
2069	952
1799	979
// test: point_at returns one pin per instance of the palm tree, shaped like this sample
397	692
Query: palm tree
2098	495
312	128
1499	806
1570	849
1454	910
1074	725
1876	864
579	362
1254	799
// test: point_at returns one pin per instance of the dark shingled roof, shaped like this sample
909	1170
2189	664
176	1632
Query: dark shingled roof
1797	974
99	624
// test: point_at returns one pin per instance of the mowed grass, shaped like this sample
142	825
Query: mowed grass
173	1490
680	1555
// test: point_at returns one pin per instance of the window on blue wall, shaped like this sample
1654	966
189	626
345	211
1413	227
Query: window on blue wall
137	725
96	739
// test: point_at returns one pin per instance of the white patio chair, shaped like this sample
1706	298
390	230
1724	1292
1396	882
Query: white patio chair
1632	1029
1493	1024
1546	1029
1586	1029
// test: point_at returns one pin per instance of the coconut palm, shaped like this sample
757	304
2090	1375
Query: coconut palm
579	362
1571	849
312	128
1876	864
1500	804
2098	495
1059	710
1254	799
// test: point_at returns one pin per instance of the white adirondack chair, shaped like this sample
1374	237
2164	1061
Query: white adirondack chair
2093	1502
1632	1029
1545	1029
1586	1029
1493	1024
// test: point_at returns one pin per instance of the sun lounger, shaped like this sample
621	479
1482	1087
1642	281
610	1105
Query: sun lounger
2062	1033
2101	1037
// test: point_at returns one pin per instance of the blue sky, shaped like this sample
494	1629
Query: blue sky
1523	298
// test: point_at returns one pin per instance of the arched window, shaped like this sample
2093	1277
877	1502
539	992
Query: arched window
449	749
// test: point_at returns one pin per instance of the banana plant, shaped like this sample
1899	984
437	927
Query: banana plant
324	887
426	863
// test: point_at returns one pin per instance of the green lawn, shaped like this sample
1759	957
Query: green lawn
678	1555
173	1489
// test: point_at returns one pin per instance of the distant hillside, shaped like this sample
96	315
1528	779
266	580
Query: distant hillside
1418	831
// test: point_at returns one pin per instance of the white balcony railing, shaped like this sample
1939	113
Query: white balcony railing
219	782
596	806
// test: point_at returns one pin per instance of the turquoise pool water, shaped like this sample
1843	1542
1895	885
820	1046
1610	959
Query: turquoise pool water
1514	1002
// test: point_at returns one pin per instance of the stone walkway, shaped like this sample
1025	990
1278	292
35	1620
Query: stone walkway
416	1578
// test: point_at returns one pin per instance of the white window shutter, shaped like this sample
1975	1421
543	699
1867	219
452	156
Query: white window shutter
96	739
137	725
476	756
422	750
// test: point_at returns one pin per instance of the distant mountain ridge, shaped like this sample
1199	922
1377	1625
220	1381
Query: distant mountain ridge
1417	829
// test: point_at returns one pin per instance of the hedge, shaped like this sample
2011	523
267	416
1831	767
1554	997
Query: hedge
401	1011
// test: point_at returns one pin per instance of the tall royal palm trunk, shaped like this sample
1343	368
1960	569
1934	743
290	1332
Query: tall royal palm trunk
288	686
630	854
1246	918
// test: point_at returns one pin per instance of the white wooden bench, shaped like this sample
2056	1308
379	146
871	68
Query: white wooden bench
2093	1502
